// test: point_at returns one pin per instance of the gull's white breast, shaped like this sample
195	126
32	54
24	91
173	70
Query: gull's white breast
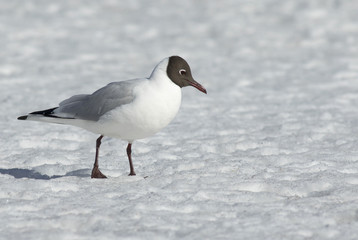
155	104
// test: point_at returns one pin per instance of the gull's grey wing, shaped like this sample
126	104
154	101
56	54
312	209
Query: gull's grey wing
93	106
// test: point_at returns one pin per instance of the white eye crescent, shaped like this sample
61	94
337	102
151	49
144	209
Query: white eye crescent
182	72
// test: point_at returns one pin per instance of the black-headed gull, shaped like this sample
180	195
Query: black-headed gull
128	110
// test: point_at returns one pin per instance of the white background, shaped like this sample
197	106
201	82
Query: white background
271	152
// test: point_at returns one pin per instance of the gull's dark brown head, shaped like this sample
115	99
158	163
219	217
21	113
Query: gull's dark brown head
179	72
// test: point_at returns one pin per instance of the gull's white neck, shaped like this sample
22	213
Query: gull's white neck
160	71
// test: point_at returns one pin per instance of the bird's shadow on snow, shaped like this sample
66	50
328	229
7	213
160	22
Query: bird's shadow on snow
32	174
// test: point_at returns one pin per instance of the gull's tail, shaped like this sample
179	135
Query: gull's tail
47	115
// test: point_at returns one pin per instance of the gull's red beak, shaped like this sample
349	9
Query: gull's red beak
197	85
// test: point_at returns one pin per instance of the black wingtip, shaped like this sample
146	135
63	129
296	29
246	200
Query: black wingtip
22	118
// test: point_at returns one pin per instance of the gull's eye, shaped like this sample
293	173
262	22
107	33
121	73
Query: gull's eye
182	72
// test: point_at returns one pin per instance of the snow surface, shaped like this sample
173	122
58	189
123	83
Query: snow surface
270	153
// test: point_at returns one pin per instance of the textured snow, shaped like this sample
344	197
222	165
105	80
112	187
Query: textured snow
270	153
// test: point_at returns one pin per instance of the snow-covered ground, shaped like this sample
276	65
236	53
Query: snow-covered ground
270	153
